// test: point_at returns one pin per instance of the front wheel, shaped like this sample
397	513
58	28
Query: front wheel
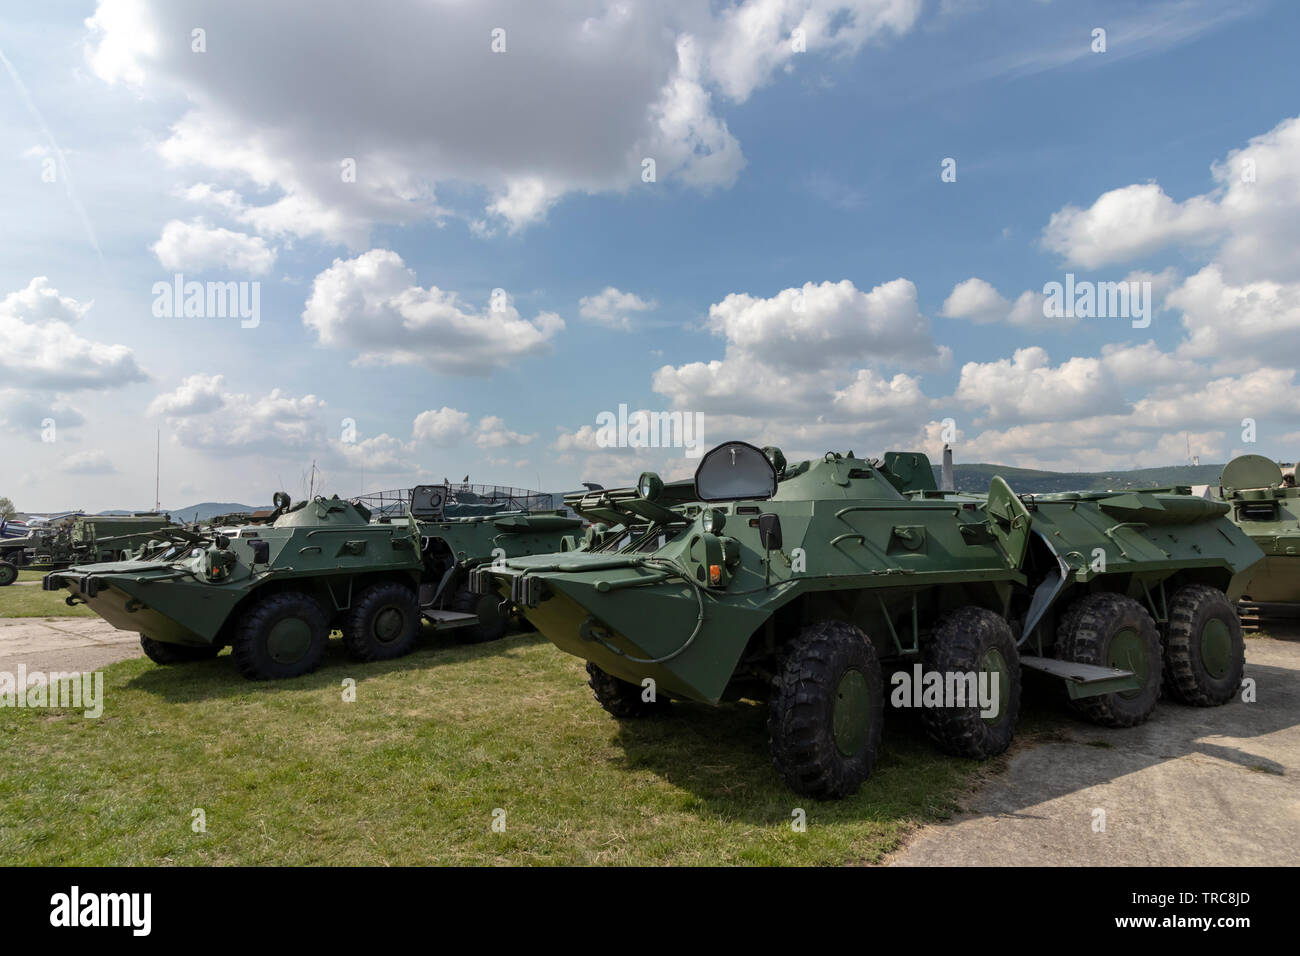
282	635
383	623
8	573
163	653
492	623
1205	655
826	711
621	698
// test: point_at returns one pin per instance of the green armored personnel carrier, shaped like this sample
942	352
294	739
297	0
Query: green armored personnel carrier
275	593
1265	504
78	538
806	584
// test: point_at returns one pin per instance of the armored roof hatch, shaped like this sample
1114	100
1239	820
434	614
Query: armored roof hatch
733	471
1251	471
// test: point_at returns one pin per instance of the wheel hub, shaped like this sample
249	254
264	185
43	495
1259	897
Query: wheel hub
851	716
1129	652
389	624
289	640
1216	648
994	663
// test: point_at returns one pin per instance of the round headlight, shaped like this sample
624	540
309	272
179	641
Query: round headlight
713	520
649	485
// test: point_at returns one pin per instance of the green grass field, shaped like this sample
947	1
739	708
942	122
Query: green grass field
412	772
28	600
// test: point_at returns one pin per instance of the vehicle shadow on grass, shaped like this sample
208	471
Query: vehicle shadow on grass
219	678
720	754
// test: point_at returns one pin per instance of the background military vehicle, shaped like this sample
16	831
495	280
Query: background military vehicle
1265	504
275	593
802	583
77	538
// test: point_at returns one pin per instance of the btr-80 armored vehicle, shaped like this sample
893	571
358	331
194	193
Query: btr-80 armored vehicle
78	538
275	594
1265	504
801	583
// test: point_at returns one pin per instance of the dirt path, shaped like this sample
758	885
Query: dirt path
63	643
1192	786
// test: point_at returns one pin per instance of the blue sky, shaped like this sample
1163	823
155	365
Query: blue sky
779	175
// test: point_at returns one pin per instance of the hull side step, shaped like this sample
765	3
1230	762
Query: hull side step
448	619
1084	680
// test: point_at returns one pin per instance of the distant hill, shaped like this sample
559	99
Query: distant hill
1028	481
968	477
208	509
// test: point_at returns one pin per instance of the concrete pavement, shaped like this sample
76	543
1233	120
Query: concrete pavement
1191	787
63	643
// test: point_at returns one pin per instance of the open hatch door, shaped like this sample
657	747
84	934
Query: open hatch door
1008	520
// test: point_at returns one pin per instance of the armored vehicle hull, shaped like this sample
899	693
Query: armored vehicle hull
77	539
805	585
275	594
1265	504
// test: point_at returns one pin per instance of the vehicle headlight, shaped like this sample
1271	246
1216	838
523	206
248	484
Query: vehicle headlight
713	520
649	485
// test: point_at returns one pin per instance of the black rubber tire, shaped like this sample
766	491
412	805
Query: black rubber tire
1085	638
1186	677
163	653
484	605
958	647
801	711
252	655
620	698
361	638
8	573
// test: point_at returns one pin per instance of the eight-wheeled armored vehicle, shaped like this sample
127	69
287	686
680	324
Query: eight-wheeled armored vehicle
1265	504
78	538
807	584
275	594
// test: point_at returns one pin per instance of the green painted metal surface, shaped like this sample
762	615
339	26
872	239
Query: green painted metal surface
82	539
1265	504
188	587
651	593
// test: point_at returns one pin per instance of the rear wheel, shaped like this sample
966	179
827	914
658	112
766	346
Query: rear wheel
1111	630
283	635
383	623
161	652
8	573
492	623
621	698
978	642
1205	655
826	711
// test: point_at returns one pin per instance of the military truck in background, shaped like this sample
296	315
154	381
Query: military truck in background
804	584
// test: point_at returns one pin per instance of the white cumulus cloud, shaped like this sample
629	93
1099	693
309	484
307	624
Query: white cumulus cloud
612	307
196	247
373	306
580	96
